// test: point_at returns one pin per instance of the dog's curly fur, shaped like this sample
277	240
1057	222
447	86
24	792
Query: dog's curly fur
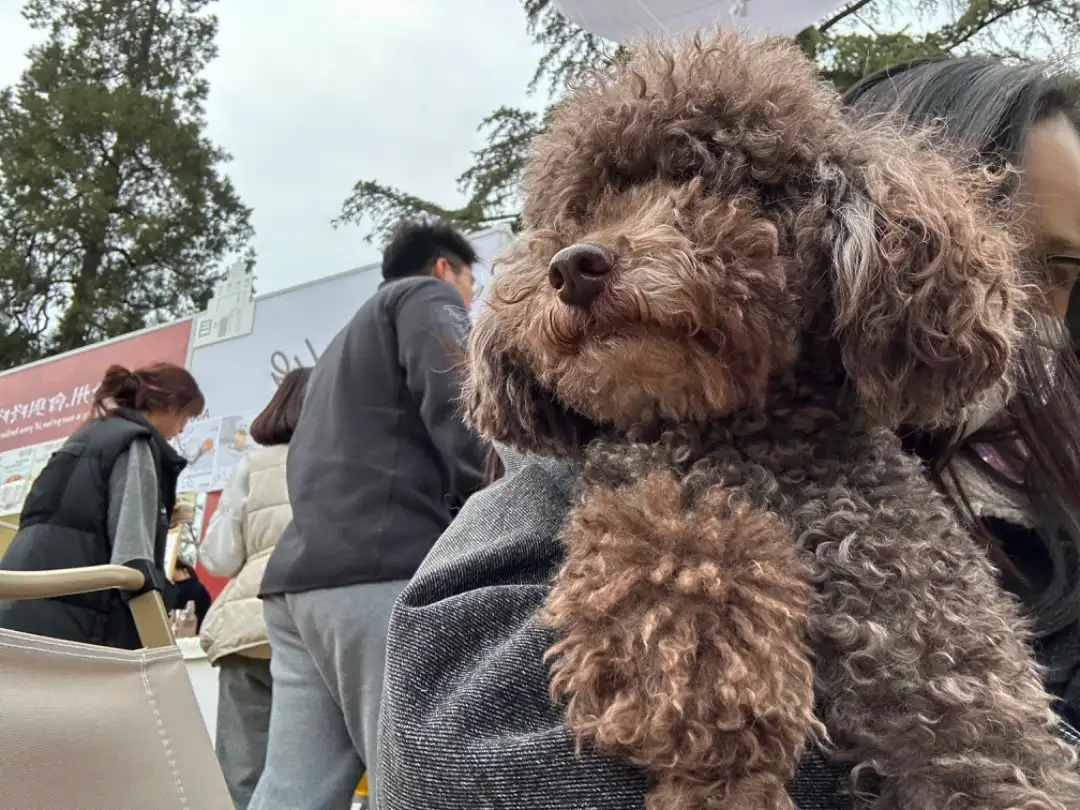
788	287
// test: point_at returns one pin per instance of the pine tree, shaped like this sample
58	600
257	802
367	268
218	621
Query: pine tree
114	212
862	36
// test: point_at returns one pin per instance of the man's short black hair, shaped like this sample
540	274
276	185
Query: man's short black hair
414	247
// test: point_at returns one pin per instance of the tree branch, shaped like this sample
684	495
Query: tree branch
976	28
843	14
496	218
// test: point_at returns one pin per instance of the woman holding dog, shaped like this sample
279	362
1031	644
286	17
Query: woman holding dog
1014	469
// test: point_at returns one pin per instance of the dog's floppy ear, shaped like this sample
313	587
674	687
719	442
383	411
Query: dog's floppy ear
504	403
925	289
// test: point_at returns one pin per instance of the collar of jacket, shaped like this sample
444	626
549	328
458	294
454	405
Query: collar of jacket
169	455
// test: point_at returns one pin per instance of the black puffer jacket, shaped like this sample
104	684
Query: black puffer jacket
64	524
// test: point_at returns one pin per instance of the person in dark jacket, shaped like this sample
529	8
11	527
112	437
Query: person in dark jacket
378	464
1013	470
186	587
105	497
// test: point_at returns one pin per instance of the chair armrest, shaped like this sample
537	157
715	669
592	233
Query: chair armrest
147	609
68	581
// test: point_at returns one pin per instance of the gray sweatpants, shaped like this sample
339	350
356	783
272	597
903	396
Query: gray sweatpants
328	660
243	723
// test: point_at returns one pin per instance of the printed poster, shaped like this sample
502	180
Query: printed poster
234	442
213	447
15	469
49	400
19	469
198	443
41	455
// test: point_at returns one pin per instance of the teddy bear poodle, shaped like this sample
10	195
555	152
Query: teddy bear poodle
726	299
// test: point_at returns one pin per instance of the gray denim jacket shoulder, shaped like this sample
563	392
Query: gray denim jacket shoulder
467	721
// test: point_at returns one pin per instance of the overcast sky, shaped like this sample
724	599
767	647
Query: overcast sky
310	97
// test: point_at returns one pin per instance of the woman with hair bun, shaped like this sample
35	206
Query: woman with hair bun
106	496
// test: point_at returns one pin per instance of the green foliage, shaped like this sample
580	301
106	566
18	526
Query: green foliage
114	213
867	35
490	183
567	49
861	37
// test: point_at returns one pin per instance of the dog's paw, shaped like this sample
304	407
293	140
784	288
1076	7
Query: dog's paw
682	631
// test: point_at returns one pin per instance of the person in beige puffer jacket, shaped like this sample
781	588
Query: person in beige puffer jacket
253	511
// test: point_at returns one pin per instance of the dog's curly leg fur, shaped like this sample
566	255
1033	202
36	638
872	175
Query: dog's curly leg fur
682	623
749	790
933	688
685	613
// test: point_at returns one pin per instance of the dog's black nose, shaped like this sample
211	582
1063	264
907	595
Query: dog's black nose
578	273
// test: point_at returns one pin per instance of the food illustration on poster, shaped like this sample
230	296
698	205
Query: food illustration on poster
19	469
212	448
41	455
197	445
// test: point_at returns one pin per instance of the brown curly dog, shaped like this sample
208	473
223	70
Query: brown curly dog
726	299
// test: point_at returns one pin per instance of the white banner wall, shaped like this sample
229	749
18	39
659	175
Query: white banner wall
290	329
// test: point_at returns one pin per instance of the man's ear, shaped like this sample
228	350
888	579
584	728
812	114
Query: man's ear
442	269
925	289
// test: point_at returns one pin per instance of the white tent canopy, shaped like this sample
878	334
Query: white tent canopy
621	20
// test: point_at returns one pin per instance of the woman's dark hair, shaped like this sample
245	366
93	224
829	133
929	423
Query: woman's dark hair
979	102
989	108
152	389
277	421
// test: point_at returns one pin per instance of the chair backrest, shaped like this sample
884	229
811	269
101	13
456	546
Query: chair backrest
97	728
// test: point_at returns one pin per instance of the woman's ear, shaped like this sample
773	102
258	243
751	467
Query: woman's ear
925	285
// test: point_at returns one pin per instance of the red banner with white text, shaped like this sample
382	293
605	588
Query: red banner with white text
49	400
